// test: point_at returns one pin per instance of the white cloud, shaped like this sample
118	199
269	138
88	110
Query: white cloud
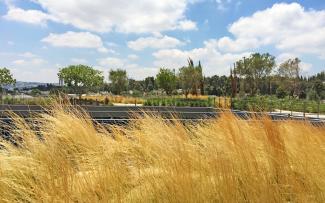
139	73
305	67
111	62
134	70
288	27
285	56
35	17
133	57
28	55
212	60
103	50
46	75
142	16
76	40
226	44
29	61
19	61
38	61
29	67
186	25
156	42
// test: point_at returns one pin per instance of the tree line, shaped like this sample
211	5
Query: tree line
257	74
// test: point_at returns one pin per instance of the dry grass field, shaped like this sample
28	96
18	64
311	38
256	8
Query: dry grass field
69	159
220	102
115	99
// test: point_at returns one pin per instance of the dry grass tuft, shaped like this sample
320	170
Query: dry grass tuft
116	99
151	160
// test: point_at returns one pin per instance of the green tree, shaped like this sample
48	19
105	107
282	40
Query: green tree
281	93
81	78
262	66
212	85
119	80
290	68
255	69
191	78
186	79
319	88
149	84
242	69
166	80
289	73
136	85
6	78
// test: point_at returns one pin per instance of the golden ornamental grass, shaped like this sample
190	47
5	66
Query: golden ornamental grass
69	159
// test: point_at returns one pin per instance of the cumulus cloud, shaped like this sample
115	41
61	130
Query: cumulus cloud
19	61
133	57
76	40
139	73
35	17
35	61
306	67
134	70
285	56
156	42
31	67
45	75
28	55
226	44
288	27
111	62
213	61
142	16
186	25
28	59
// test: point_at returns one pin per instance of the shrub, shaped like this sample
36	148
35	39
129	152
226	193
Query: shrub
179	102
281	93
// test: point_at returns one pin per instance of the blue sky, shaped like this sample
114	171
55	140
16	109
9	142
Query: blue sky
38	37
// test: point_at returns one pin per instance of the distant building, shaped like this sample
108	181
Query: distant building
61	82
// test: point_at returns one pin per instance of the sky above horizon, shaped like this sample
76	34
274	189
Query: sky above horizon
38	37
